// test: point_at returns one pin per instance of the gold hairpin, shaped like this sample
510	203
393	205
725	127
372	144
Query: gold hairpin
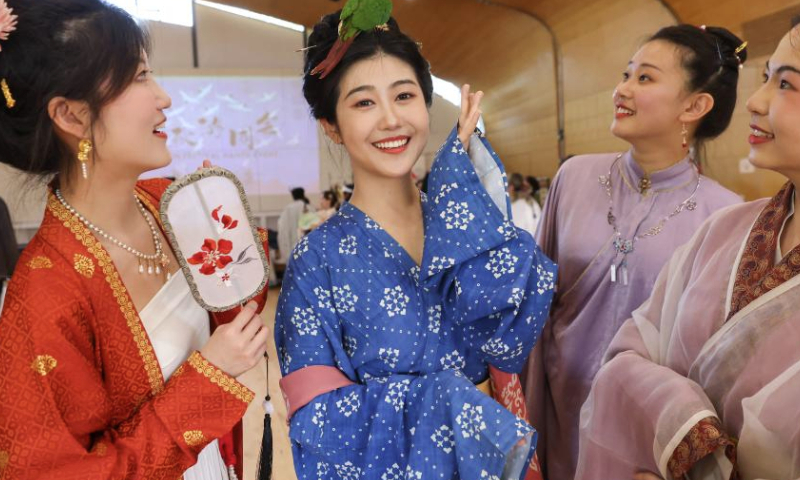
383	28
10	102
740	48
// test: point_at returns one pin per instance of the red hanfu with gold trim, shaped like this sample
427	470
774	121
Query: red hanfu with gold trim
82	392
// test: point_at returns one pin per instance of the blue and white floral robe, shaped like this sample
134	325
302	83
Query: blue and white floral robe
416	339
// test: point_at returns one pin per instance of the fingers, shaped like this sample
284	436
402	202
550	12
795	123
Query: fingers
475	111
244	317
251	329
206	164
258	345
465	97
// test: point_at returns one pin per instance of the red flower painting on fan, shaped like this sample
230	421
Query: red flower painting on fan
215	254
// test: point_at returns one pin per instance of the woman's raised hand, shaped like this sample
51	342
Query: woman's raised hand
470	114
238	346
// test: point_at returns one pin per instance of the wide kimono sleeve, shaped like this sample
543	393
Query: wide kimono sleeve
57	419
493	279
642	414
357	431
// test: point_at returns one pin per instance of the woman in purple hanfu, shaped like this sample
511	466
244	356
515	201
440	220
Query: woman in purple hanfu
611	221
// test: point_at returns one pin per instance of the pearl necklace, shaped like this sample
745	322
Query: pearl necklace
154	262
626	246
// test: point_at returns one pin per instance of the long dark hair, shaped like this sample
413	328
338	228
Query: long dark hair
323	94
9	250
85	50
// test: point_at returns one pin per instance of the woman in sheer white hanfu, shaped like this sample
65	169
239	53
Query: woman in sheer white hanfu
704	380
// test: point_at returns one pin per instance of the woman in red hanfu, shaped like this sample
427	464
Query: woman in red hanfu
109	367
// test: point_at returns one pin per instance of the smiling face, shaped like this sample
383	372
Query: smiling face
129	133
652	96
382	118
775	111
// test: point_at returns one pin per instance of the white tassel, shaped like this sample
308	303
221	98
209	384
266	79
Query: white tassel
613	273
268	408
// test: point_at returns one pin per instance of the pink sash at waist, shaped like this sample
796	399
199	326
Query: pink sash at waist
302	386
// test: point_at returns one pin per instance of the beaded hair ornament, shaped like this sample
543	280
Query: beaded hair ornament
8	23
736	52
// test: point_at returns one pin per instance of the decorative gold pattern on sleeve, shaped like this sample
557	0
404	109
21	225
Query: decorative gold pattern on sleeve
218	377
100	449
3	460
43	364
40	262
83	235
194	438
84	265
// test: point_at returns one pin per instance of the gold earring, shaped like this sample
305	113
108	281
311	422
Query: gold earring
84	149
10	102
684	132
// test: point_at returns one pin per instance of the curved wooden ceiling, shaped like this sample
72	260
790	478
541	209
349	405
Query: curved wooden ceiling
511	49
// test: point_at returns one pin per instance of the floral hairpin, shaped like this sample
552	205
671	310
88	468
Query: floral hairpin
357	16
739	50
8	23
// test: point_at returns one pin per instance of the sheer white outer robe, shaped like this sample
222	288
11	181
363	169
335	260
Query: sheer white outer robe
678	361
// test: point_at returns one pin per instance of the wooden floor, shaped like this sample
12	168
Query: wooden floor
283	468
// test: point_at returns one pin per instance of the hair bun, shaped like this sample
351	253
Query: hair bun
322	38
729	44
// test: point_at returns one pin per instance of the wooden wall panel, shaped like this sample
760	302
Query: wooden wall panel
507	54
511	57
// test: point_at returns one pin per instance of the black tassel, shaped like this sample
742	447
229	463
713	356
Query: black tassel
264	471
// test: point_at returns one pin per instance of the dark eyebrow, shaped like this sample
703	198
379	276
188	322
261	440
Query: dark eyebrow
649	65
787	68
363	88
406	81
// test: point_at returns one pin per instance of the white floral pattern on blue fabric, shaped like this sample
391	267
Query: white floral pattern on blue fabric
471	421
397	393
300	248
413	474
435	318
348	245
444	438
414	337
348	471
350	345
394	301
349	404
389	356
457	215
440	263
323	298
345	298
502	262
305	321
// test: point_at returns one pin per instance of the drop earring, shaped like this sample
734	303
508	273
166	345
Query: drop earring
684	132
84	149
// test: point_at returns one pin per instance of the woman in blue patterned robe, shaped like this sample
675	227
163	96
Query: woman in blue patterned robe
414	338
